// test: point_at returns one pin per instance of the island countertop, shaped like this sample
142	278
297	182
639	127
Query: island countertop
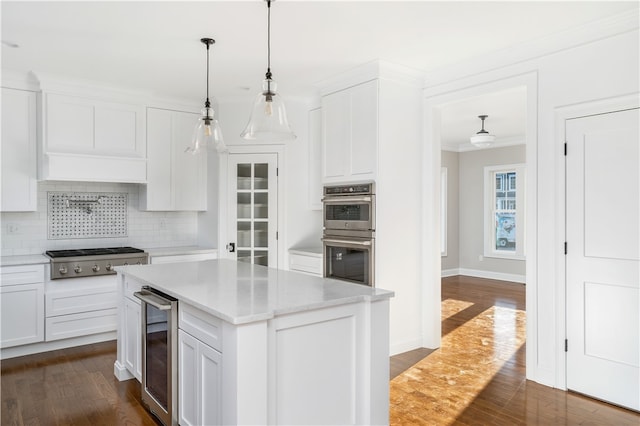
241	293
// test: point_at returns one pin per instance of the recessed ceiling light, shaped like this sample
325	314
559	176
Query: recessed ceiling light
10	44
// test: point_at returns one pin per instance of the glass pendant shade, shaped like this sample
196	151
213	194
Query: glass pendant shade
207	134
482	138
268	121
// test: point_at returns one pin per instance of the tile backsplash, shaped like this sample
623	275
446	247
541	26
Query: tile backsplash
30	232
86	215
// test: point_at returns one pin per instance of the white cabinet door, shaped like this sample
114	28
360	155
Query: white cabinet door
22	314
175	180
189	171
210	385
133	337
79	125
315	159
187	378
200	382
350	133
18	151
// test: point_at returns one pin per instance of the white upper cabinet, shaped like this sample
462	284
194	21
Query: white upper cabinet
175	180
350	133
92	137
18	151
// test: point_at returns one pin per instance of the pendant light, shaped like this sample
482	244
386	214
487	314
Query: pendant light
482	138
207	134
268	121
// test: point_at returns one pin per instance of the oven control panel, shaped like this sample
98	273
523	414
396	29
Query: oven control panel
355	189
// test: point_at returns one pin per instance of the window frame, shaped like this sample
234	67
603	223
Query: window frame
490	189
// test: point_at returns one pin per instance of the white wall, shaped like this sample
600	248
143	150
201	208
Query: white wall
451	262
471	216
604	68
145	229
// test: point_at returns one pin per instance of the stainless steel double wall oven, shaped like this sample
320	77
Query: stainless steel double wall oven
348	240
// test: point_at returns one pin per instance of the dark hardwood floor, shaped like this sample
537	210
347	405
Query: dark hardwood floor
77	387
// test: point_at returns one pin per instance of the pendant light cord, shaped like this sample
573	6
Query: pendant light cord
268	75
207	104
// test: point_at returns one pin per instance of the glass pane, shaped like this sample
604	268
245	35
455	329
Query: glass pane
348	263
261	206
244	176
261	176
157	350
347	212
244	234
244	205
261	258
506	231
244	256
261	234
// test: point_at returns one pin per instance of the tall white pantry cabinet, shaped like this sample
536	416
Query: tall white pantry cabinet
372	131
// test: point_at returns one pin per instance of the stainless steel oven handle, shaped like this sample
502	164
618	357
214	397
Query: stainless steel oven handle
153	300
345	200
357	243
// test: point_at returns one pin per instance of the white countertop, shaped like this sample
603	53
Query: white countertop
241	293
27	259
174	251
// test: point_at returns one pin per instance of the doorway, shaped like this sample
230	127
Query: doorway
432	196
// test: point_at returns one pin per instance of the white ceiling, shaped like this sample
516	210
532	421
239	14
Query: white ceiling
154	45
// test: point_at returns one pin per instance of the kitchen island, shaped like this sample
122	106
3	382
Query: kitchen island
287	348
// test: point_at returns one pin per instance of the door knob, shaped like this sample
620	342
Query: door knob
231	247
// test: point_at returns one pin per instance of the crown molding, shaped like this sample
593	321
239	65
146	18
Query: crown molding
21	80
377	69
584	34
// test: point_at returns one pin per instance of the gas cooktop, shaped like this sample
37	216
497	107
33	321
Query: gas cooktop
92	252
93	262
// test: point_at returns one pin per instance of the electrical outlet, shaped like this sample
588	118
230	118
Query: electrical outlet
481	258
12	228
163	224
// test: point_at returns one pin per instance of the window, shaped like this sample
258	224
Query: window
504	211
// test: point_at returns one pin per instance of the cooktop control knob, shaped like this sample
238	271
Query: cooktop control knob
109	267
62	270
77	269
96	268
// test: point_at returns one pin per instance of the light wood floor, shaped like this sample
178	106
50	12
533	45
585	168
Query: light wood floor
77	387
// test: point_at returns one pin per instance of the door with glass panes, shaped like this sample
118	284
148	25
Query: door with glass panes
253	208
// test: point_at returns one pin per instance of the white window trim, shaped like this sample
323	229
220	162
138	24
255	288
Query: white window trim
489	217
443	211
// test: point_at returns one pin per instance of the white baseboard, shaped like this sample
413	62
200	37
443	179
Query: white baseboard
402	347
501	276
35	348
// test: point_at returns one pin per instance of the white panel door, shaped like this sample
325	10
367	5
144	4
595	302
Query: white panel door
253	208
603	315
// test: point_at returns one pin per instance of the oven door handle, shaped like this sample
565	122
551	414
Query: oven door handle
345	200
357	243
153	300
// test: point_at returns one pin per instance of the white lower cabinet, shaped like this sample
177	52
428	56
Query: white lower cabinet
133	340
21	305
200	382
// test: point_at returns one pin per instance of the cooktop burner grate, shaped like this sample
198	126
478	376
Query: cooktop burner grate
92	252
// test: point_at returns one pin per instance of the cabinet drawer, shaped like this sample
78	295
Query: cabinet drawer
155	260
201	325
308	264
72	302
26	274
82	324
